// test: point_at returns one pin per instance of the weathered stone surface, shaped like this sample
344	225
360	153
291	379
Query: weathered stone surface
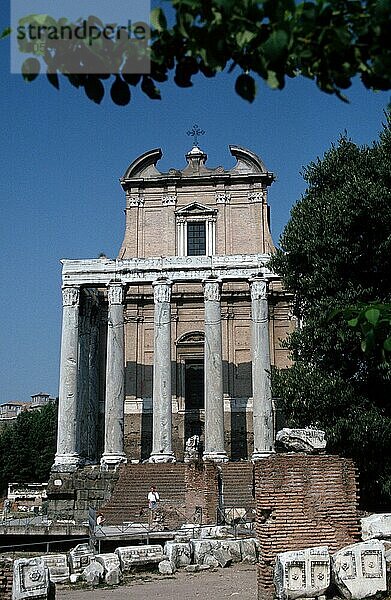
216	531
223	558
93	573
74	577
210	560
166	567
376	526
112	569
203	567
249	548
201	548
359	570
178	553
31	579
80	557
214	402
232	548
192	568
302	573
58	567
260	354
302	440
132	556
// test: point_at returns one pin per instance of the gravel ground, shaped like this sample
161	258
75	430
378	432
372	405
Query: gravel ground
238	581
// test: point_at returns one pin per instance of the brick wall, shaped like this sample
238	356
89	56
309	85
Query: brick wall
6	579
303	501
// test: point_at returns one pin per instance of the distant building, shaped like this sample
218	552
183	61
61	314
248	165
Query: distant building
11	409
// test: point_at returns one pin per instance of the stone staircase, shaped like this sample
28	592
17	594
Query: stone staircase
237	487
129	503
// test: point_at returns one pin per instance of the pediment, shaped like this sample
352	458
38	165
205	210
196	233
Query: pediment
195	208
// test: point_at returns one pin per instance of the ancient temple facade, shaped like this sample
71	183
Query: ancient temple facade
176	336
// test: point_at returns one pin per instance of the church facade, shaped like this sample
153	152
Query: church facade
176	337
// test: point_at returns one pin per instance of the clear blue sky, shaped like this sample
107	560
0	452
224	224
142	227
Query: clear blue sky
62	156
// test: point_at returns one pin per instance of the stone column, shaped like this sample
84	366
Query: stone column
162	398
214	401
263	420
114	453
67	457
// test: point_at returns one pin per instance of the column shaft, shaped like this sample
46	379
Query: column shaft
263	420
115	380
214	401
67	457
162	398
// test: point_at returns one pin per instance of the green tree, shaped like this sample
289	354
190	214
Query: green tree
27	447
328	41
336	254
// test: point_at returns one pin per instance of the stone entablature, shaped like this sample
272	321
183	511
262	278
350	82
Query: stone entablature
102	271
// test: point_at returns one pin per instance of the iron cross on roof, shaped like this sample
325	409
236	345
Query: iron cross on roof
194	132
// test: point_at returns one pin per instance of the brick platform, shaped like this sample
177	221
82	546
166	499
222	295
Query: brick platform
303	501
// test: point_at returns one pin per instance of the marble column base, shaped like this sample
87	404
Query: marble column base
162	458
111	461
259	455
66	463
217	457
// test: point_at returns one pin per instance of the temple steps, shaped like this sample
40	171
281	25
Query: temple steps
237	485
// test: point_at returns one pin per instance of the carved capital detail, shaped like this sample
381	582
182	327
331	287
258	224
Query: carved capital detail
258	289
223	198
161	291
115	293
70	296
212	290
169	200
256	196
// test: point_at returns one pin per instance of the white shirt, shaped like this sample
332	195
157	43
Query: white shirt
153	497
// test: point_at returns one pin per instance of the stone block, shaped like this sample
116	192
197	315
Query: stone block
302	440
248	548
359	570
210	560
112	568
134	556
201	548
192	568
222	557
376	526
93	573
58	567
178	553
233	549
31	580
302	573
166	567
80	557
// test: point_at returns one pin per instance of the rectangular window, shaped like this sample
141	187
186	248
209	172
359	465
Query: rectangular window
196	238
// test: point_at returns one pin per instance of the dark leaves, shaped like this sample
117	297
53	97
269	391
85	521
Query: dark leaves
120	92
245	87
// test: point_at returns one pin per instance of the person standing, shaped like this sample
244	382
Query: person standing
153	499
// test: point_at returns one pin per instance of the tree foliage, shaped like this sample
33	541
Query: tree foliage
27	447
328	41
336	257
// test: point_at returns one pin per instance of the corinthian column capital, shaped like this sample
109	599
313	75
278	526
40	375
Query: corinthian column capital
70	296
212	289
115	293
161	290
258	288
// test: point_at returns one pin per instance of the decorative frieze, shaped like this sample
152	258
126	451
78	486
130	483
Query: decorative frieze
70	296
223	198
115	294
257	196
161	291
134	200
169	200
212	290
